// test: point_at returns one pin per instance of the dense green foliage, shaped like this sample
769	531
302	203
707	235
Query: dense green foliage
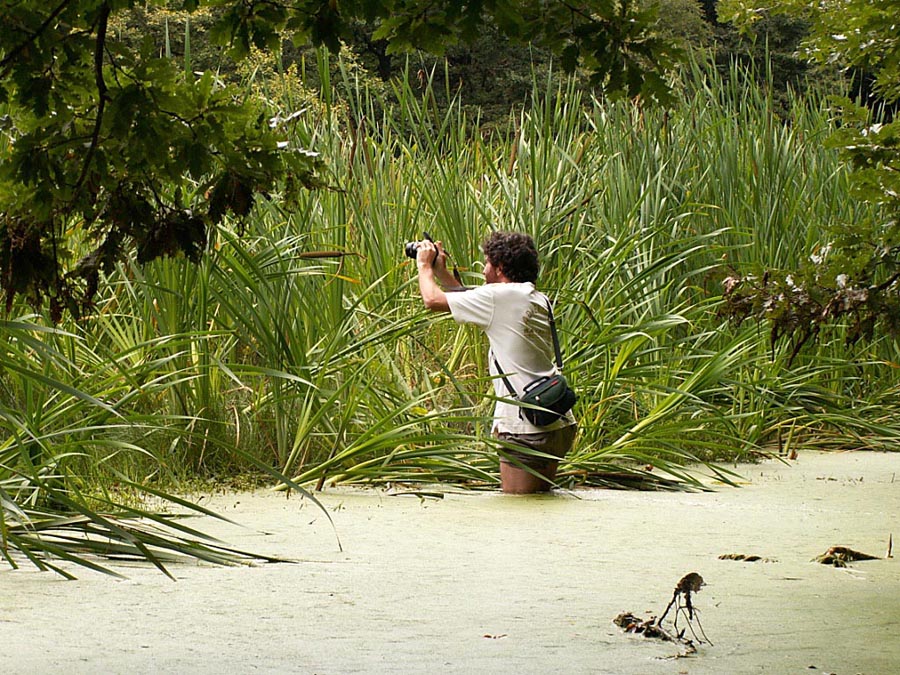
300	341
290	338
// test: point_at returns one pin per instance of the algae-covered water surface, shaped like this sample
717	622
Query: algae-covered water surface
490	583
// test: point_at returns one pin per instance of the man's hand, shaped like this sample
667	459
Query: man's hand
432	254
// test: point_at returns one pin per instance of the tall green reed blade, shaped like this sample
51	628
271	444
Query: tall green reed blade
45	515
188	71
167	47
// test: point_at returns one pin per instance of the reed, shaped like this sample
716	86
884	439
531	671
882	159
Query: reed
300	345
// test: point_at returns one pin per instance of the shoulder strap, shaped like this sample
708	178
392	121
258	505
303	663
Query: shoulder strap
509	387
556	349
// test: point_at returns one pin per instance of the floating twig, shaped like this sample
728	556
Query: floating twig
839	556
646	627
745	558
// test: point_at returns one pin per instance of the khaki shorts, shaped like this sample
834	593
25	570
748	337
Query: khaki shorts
557	442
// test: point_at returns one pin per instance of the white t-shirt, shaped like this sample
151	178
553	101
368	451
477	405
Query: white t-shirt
514	317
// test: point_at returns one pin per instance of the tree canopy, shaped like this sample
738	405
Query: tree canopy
855	274
117	148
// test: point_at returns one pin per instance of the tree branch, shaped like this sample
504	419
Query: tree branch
102	23
884	286
7	63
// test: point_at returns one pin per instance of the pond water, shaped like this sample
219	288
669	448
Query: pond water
488	583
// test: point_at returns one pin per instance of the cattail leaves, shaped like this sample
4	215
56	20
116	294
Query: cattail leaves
299	345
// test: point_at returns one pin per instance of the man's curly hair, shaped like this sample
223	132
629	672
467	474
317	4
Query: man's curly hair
514	254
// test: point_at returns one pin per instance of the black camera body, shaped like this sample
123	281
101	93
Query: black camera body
412	247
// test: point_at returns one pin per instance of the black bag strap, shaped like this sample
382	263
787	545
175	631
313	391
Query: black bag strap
509	387
556	350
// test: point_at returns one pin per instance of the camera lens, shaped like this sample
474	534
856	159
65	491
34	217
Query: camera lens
412	249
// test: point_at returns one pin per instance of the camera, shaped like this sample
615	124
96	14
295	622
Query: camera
412	247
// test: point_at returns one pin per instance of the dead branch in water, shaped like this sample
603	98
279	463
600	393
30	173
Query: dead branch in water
688	584
652	628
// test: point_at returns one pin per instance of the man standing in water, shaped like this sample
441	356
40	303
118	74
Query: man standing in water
515	317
